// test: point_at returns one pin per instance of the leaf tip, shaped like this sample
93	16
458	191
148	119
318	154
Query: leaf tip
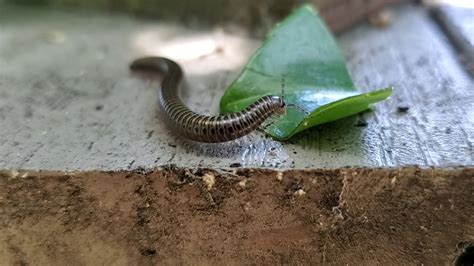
308	8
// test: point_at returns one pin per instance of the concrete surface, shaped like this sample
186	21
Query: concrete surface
68	102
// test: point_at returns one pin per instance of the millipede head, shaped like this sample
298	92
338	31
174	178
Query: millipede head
279	104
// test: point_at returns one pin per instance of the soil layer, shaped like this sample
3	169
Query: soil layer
240	216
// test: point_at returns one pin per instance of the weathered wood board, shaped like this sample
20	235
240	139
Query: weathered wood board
458	23
68	102
255	16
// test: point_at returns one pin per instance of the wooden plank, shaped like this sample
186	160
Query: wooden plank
255	16
67	100
431	112
458	23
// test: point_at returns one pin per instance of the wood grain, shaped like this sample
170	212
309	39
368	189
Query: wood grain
90	113
458	24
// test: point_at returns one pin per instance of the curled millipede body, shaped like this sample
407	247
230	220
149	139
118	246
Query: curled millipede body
201	127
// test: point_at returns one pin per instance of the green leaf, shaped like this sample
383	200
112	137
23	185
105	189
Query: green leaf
301	54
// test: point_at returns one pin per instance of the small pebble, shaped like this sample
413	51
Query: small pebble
300	192
402	109
242	183
14	173
209	180
279	176
235	165
394	180
361	123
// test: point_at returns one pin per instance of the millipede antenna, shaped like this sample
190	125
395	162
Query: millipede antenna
283	88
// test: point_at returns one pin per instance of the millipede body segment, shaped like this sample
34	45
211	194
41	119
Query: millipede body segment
199	127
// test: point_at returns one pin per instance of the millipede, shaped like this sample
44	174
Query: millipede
203	128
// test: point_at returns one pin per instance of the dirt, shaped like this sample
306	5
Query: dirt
239	216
